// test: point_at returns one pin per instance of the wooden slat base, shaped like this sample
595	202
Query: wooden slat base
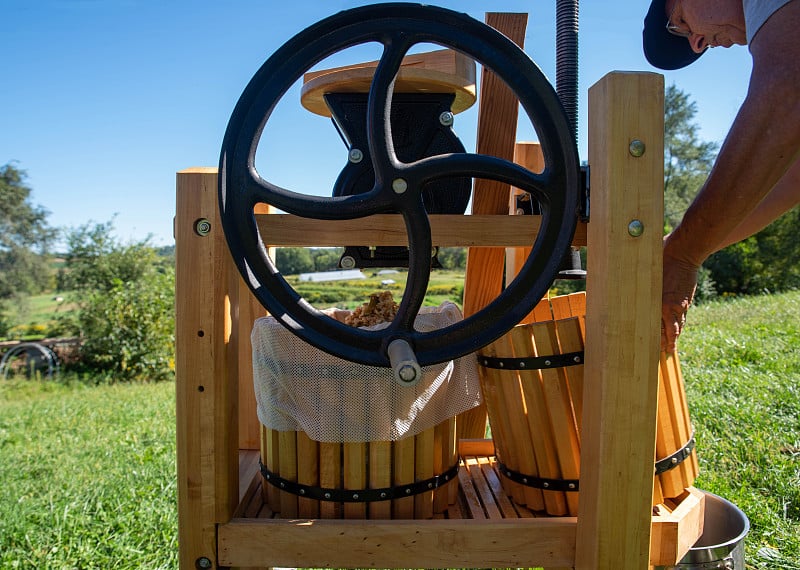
484	528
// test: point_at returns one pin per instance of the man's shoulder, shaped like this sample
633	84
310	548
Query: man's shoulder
756	12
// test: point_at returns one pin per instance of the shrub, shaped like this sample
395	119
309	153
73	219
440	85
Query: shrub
129	329
5	321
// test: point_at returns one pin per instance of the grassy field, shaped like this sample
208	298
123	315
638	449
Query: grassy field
88	472
32	316
741	363
443	286
88	476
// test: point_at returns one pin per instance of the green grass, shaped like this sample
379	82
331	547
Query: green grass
88	476
741	364
88	472
31	316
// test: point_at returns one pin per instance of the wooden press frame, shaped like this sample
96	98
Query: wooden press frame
216	422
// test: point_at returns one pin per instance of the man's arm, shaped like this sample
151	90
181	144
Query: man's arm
762	145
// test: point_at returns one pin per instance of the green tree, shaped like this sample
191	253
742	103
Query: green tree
96	260
764	262
125	304
687	159
326	259
453	257
687	163
25	238
294	260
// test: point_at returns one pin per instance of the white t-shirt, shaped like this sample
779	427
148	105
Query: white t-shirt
756	12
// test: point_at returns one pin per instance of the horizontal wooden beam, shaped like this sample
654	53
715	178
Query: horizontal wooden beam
285	230
442	543
510	543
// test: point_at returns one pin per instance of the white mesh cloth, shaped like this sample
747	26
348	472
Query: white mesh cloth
301	388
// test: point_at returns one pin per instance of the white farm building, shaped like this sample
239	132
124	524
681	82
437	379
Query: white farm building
343	275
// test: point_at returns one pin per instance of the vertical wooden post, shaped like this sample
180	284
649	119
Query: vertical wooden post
529	155
623	316
206	409
497	131
247	310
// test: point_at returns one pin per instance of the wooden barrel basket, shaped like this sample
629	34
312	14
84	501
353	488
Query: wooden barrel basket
414	477
532	381
344	440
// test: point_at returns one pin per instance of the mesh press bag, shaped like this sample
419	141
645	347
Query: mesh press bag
301	388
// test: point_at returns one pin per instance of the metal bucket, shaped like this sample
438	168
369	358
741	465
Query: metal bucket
722	543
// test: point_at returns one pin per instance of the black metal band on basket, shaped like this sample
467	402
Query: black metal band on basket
359	495
566	485
532	362
671	462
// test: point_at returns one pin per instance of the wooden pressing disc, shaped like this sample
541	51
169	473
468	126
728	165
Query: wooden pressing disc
441	71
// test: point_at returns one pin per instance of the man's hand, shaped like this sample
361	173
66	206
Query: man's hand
680	282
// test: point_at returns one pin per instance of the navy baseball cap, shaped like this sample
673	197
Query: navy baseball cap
661	48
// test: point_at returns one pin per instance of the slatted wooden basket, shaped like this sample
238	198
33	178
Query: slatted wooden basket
412	478
532	379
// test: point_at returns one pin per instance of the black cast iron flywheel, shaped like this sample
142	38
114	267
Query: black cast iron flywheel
398	27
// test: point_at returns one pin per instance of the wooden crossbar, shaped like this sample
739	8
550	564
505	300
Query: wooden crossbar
447	230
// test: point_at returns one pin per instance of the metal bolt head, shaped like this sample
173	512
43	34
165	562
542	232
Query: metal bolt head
203	563
355	155
635	228
399	185
202	227
446	119
636	148
347	262
407	373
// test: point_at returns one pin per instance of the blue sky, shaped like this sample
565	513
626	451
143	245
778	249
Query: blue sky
102	101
